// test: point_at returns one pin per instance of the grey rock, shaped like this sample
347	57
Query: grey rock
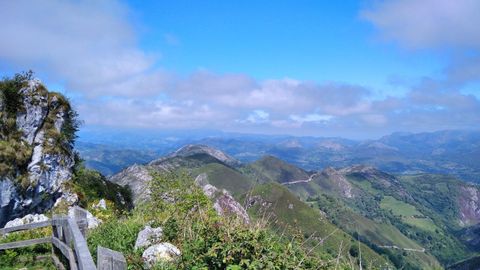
224	203
10	200
160	253
92	221
35	110
26	220
137	178
46	171
67	198
148	236
201	180
102	204
210	190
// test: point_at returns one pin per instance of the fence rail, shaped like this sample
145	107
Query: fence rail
69	241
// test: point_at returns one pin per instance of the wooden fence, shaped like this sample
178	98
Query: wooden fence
69	242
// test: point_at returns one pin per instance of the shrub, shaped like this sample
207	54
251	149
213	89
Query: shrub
206	240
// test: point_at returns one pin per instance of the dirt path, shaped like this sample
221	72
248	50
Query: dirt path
406	249
300	181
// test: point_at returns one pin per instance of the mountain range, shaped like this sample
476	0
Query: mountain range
452	152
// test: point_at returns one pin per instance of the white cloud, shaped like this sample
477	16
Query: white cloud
318	118
257	117
90	45
428	23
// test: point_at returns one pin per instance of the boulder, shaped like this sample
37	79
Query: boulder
223	203
160	253
102	204
67	198
148	236
92	221
30	218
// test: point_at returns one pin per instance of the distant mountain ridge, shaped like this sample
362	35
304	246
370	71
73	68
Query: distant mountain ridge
445	152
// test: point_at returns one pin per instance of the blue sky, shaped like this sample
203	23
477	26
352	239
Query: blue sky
305	40
357	69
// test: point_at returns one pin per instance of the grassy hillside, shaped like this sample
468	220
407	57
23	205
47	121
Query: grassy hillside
287	213
225	177
411	212
209	241
293	218
272	169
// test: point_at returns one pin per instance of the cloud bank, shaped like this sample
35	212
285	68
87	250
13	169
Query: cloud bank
91	47
428	23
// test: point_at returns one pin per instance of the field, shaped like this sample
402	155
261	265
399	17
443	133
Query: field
408	213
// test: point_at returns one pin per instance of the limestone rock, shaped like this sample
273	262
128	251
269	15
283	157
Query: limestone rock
92	221
35	110
160	253
26	220
209	190
68	198
148	236
9	199
137	178
224	203
102	204
51	162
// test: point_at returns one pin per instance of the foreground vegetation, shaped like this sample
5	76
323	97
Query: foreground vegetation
207	240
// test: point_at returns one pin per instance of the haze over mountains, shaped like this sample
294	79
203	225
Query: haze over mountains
452	152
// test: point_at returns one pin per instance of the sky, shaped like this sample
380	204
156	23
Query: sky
354	69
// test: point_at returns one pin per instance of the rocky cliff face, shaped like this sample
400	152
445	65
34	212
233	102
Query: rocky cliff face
469	204
36	155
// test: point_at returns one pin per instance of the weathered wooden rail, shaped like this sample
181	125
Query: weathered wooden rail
69	242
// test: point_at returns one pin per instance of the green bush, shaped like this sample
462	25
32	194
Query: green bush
206	240
92	186
27	256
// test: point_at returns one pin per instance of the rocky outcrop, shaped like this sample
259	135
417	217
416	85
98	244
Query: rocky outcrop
35	187
26	220
223	203
160	253
102	204
340	182
92	221
469	204
137	178
148	236
35	104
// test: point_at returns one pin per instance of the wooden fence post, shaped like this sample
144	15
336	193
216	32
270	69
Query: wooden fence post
108	259
81	219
